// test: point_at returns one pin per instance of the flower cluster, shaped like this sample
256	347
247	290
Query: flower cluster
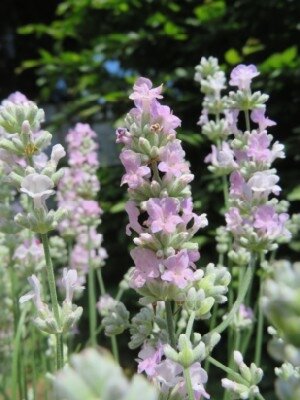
35	176
255	221
77	192
167	374
69	313
244	385
160	208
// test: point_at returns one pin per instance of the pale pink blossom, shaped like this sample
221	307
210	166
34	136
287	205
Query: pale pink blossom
172	161
133	214
135	172
146	266
163	215
177	269
242	75
258	116
144	93
149	358
71	283
269	223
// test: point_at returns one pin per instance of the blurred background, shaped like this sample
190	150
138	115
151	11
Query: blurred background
79	58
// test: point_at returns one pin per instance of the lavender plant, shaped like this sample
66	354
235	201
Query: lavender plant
34	176
176	294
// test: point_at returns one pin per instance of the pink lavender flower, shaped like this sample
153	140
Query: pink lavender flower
144	94
135	172
133	214
258	116
177	269
242	75
146	266
172	160
258	147
157	176
234	220
271	224
198	378
163	116
264	183
149	358
222	158
17	98
163	215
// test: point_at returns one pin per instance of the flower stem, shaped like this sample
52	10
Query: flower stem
225	191
241	295
53	296
100	280
114	348
260	328
188	384
228	370
170	324
247	120
92	303
16	354
189	327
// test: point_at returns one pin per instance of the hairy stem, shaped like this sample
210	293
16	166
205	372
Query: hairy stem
170	324
53	296
240	298
188	384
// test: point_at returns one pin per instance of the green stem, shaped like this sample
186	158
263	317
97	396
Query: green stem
119	294
237	377
92	298
53	294
212	324
92	307
13	290
114	347
16	354
260	329
225	190
170	325
60	351
190	324
241	295
188	384
100	280
155	172
247	120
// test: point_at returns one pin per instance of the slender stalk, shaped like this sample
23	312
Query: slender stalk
13	290
225	190
241	295
53	296
114	347
190	324
170	325
237	377
188	384
212	324
228	370
119	294
260	329
16	353
92	298
60	350
247	120
100	280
